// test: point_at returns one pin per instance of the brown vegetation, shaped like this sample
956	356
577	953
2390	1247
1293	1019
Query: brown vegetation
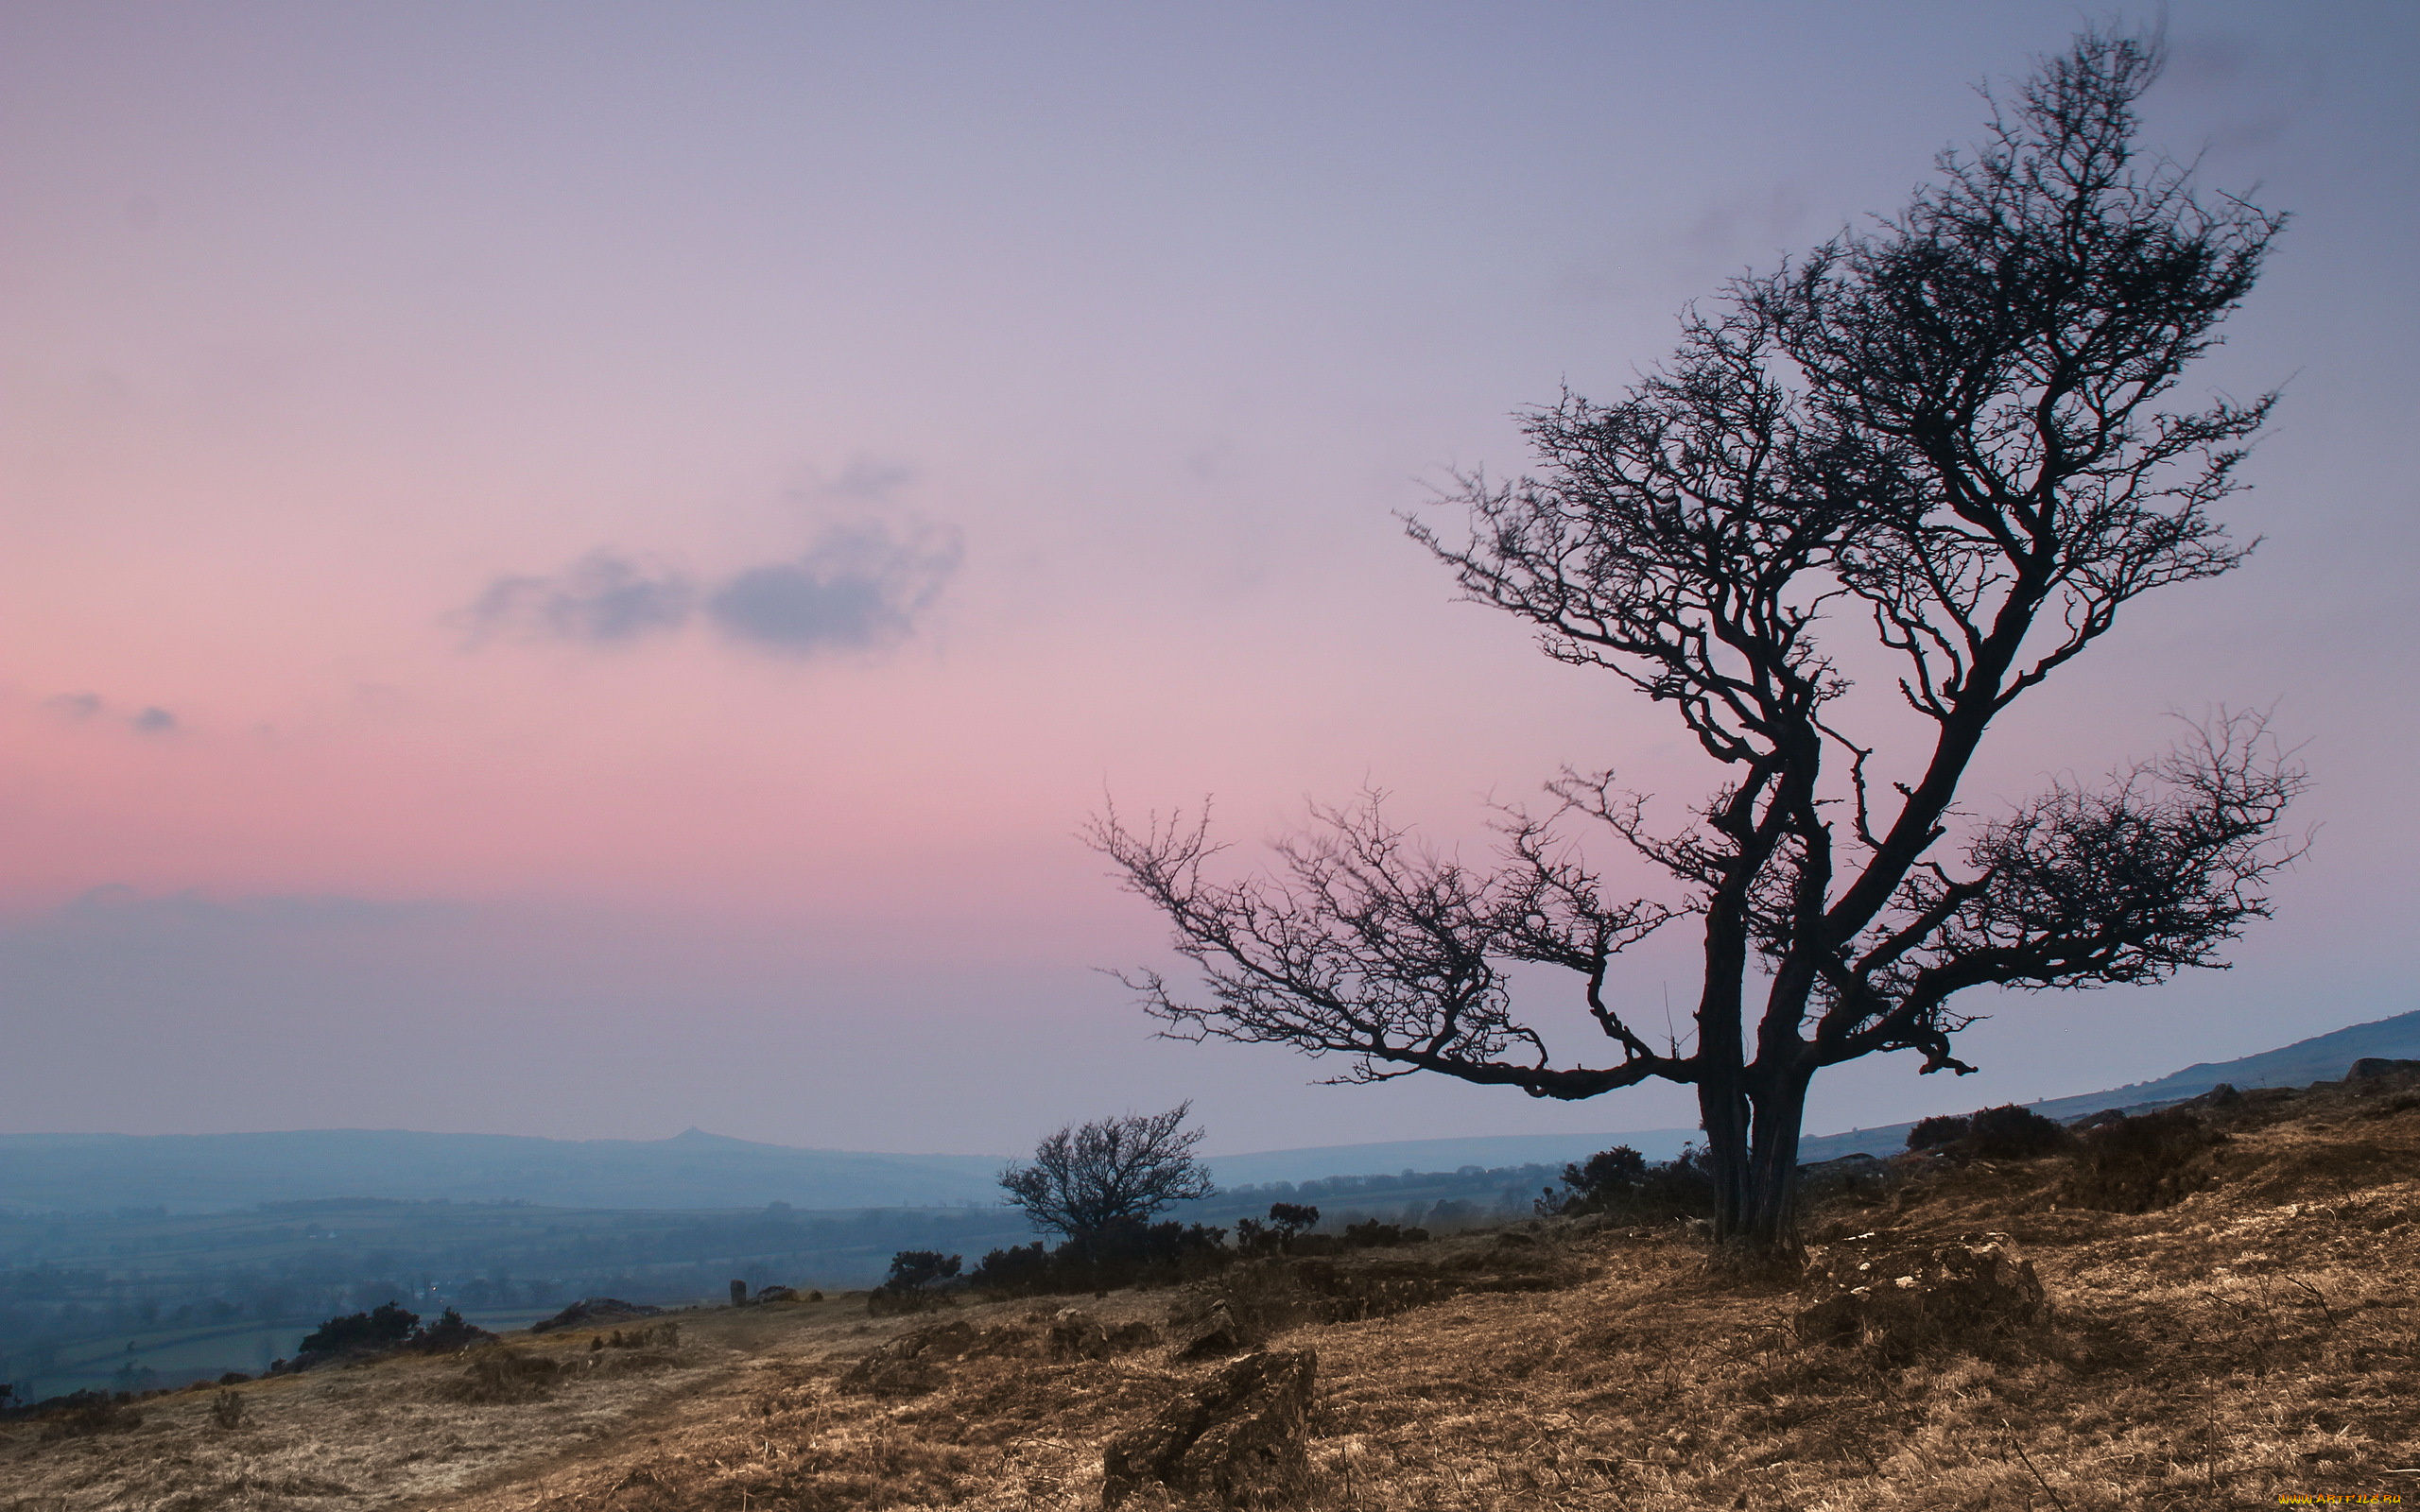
2251	1331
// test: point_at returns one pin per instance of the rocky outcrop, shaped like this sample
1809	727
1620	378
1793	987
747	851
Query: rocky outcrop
1076	1335
1963	1294
589	1312
2368	1066
912	1363
1238	1437
1213	1335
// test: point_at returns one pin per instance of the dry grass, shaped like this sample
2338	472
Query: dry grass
2260	1337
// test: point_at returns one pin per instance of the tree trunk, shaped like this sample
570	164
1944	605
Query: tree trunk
1752	1143
1722	1112
1770	1222
1721	1058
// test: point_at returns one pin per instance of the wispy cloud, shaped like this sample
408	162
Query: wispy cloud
859	586
602	600
868	480
150	719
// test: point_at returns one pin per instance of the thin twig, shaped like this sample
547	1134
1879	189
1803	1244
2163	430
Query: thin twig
2325	1310
2055	1499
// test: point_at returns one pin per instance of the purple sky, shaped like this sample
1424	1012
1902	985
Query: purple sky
574	569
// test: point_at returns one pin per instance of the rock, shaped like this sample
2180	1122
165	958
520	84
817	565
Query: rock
1076	1335
1135	1335
2369	1066
774	1294
1216	1334
1238	1437
591	1311
1959	1295
910	1364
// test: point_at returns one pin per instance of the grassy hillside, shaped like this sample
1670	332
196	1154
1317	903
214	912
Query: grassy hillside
2257	1338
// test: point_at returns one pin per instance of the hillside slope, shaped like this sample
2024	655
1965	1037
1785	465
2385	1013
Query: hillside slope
2321	1057
2257	1339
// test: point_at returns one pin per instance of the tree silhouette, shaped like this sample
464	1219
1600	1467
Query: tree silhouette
1948	430
1086	1179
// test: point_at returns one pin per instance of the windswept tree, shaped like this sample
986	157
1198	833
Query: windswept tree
1090	1179
1953	436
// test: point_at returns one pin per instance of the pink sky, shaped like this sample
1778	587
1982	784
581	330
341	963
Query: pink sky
1091	350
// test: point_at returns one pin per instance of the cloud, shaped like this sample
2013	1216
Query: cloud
150	719
858	587
868	480
602	600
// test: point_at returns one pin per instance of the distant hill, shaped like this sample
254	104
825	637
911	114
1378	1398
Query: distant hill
2321	1057
206	1172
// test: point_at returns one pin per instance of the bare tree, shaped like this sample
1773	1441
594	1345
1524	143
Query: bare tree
1087	1179
1949	430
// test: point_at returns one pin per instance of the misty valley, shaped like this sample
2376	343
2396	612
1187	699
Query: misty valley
141	1298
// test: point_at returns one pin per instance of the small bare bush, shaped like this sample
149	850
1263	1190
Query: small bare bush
2144	1164
89	1413
500	1375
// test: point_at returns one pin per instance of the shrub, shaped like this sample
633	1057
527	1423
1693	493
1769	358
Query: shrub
450	1334
912	1270
383	1327
913	1273
1123	1254
2012	1133
1942	1129
1287	1220
1372	1234
1290	1218
80	1414
1621	1183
